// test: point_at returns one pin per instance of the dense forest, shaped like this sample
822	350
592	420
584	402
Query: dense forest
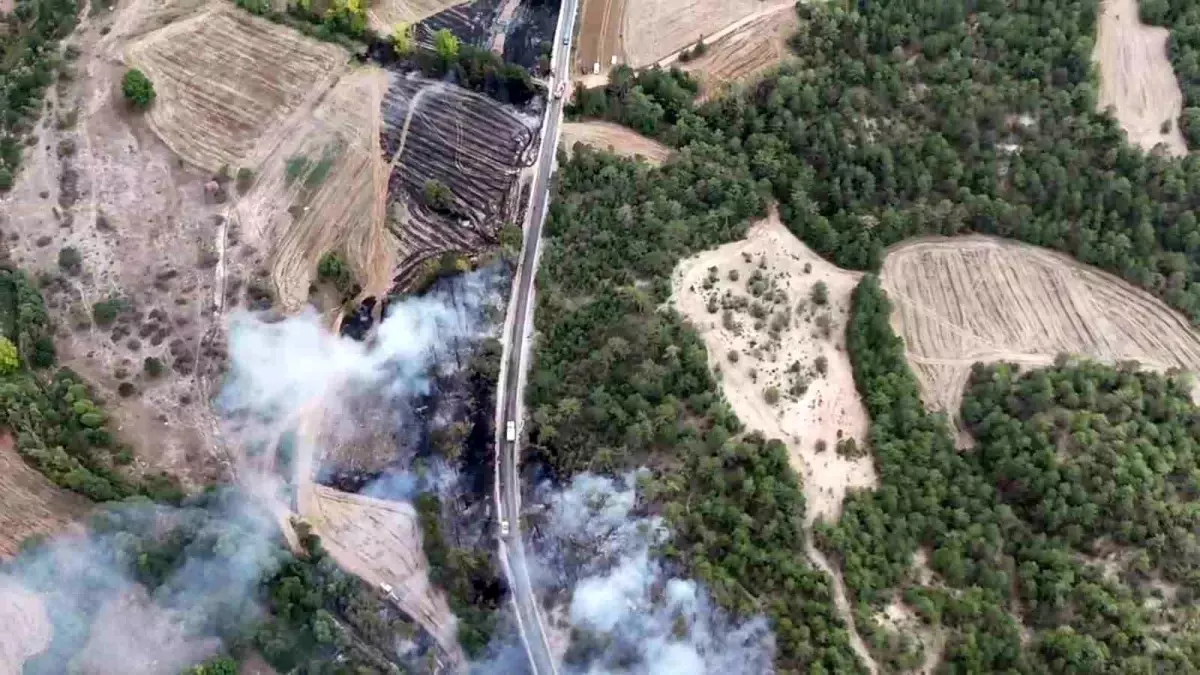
898	119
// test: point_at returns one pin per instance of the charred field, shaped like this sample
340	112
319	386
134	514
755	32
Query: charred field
529	37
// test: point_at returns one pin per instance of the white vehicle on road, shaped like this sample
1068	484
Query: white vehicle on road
510	432
560	90
503	528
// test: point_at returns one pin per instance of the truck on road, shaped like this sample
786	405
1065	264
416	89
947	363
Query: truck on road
510	432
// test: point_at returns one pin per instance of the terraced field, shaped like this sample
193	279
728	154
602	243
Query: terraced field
472	145
746	52
969	299
216	100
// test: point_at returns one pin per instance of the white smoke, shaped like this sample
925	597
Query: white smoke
635	617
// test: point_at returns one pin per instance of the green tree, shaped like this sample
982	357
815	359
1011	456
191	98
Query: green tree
404	38
819	293
10	362
138	88
437	196
446	44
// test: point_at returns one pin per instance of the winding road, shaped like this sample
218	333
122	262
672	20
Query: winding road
518	325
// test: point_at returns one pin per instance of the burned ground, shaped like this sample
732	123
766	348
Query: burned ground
529	36
471	22
439	134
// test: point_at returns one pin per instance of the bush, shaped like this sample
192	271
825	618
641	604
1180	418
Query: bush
153	367
138	88
437	195
771	395
9	361
245	180
70	260
126	389
820	293
106	311
821	365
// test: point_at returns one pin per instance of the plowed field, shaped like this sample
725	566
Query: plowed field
385	14
968	299
653	30
216	98
615	138
747	51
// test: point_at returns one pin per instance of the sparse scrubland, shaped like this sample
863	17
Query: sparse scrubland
895	121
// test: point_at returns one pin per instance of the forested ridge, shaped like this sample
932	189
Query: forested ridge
899	119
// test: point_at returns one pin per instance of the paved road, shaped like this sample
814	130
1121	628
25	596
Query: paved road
520	314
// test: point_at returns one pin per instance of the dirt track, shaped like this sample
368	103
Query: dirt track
968	299
615	138
828	409
1136	77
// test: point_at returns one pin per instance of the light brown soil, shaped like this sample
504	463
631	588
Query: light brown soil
1136	77
830	407
753	48
145	231
216	102
898	617
384	15
27	628
614	138
299	219
29	503
600	34
6	6
653	30
968	299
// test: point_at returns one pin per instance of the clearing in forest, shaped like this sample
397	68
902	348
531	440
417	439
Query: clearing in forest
29	503
773	316
743	53
615	138
27	628
655	30
1136	78
980	299
216	99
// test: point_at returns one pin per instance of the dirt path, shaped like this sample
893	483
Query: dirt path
1136	78
841	602
768	11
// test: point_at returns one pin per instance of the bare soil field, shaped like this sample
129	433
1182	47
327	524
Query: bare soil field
384	15
740	55
100	182
216	101
654	30
600	34
1136	78
752	302
968	299
30	504
615	138
476	148
323	188
27	629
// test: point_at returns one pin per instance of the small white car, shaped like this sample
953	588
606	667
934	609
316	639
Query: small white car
503	528
510	432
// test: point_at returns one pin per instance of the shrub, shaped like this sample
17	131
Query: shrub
106	311
437	195
733	356
821	364
70	260
153	367
9	361
820	293
245	180
771	395
138	88
126	389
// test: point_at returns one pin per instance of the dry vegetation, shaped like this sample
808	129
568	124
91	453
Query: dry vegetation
740	55
615	138
778	346
27	629
29	503
969	299
1136	78
216	100
653	30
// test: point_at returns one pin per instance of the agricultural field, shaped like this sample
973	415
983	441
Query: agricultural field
30	504
600	34
454	160
615	138
959	301
216	103
1136	78
743	53
651	31
385	14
